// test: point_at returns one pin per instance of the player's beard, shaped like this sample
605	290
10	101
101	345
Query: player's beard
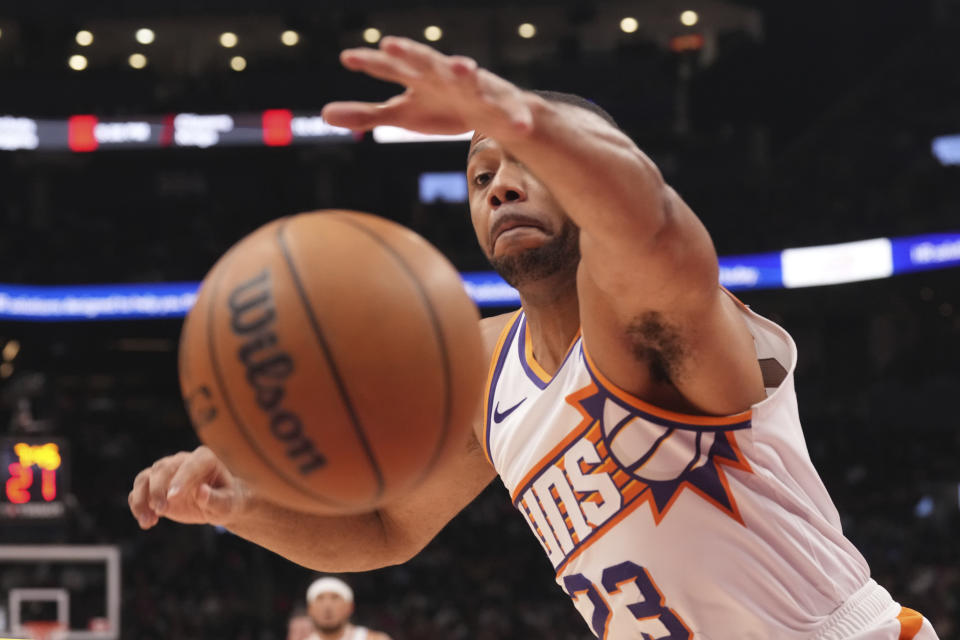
559	256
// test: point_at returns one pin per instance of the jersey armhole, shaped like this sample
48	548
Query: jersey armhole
653	411
496	367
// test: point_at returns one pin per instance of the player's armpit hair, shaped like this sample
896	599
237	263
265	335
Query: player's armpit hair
657	343
473	444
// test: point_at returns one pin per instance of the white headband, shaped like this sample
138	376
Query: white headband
329	585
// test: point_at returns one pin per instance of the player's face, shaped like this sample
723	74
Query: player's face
330	612
520	226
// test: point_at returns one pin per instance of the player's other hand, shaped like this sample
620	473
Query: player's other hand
300	628
192	488
444	94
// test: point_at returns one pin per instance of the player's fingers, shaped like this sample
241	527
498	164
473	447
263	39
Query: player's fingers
464	69
138	501
416	55
362	116
195	468
137	496
502	97
379	64
160	474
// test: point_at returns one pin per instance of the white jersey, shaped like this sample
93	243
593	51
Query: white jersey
670	526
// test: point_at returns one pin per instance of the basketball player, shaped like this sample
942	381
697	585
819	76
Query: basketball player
643	420
329	607
299	626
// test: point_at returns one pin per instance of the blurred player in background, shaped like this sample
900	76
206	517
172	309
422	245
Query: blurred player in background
644	421
329	607
299	626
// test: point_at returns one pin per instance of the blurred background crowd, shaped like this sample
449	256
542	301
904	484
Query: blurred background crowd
782	126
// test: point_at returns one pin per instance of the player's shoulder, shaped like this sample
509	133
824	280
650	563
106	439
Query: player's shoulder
377	635
491	328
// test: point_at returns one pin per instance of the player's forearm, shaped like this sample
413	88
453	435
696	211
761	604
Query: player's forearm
322	543
596	173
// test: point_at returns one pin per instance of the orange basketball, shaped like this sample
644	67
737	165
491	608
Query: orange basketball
331	359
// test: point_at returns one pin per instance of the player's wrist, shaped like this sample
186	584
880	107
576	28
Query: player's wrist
244	504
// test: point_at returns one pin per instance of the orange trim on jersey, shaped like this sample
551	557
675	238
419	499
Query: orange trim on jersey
735	298
637	403
734	511
910	623
634	493
606	623
640	493
489	386
603	529
538	370
662	602
576	596
553	453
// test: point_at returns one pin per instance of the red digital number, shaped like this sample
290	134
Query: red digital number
19	483
48	484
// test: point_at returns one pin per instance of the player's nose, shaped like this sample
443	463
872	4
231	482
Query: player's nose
507	187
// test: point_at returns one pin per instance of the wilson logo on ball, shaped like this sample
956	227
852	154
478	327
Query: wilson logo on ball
267	366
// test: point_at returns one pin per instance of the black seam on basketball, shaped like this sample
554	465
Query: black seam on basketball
331	363
437	331
218	374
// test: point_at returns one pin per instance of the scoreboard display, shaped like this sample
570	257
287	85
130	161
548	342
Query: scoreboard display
86	132
34	478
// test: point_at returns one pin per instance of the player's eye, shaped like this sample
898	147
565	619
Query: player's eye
482	178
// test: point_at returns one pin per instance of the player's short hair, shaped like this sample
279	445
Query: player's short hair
577	101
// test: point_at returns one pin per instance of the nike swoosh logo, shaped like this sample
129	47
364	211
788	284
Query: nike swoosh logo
499	416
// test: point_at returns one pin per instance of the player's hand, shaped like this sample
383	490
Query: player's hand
300	628
192	488
444	94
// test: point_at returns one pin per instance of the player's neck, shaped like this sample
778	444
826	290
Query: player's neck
339	634
553	326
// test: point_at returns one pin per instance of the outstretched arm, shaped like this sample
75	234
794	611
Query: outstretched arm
648	278
208	493
197	488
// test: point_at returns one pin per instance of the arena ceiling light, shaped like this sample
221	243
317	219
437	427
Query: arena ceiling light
527	30
290	38
433	33
6	370
137	60
238	63
145	36
77	62
689	18
371	35
228	39
629	24
84	38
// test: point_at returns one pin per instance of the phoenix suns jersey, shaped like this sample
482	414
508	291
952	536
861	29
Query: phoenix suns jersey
661	525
